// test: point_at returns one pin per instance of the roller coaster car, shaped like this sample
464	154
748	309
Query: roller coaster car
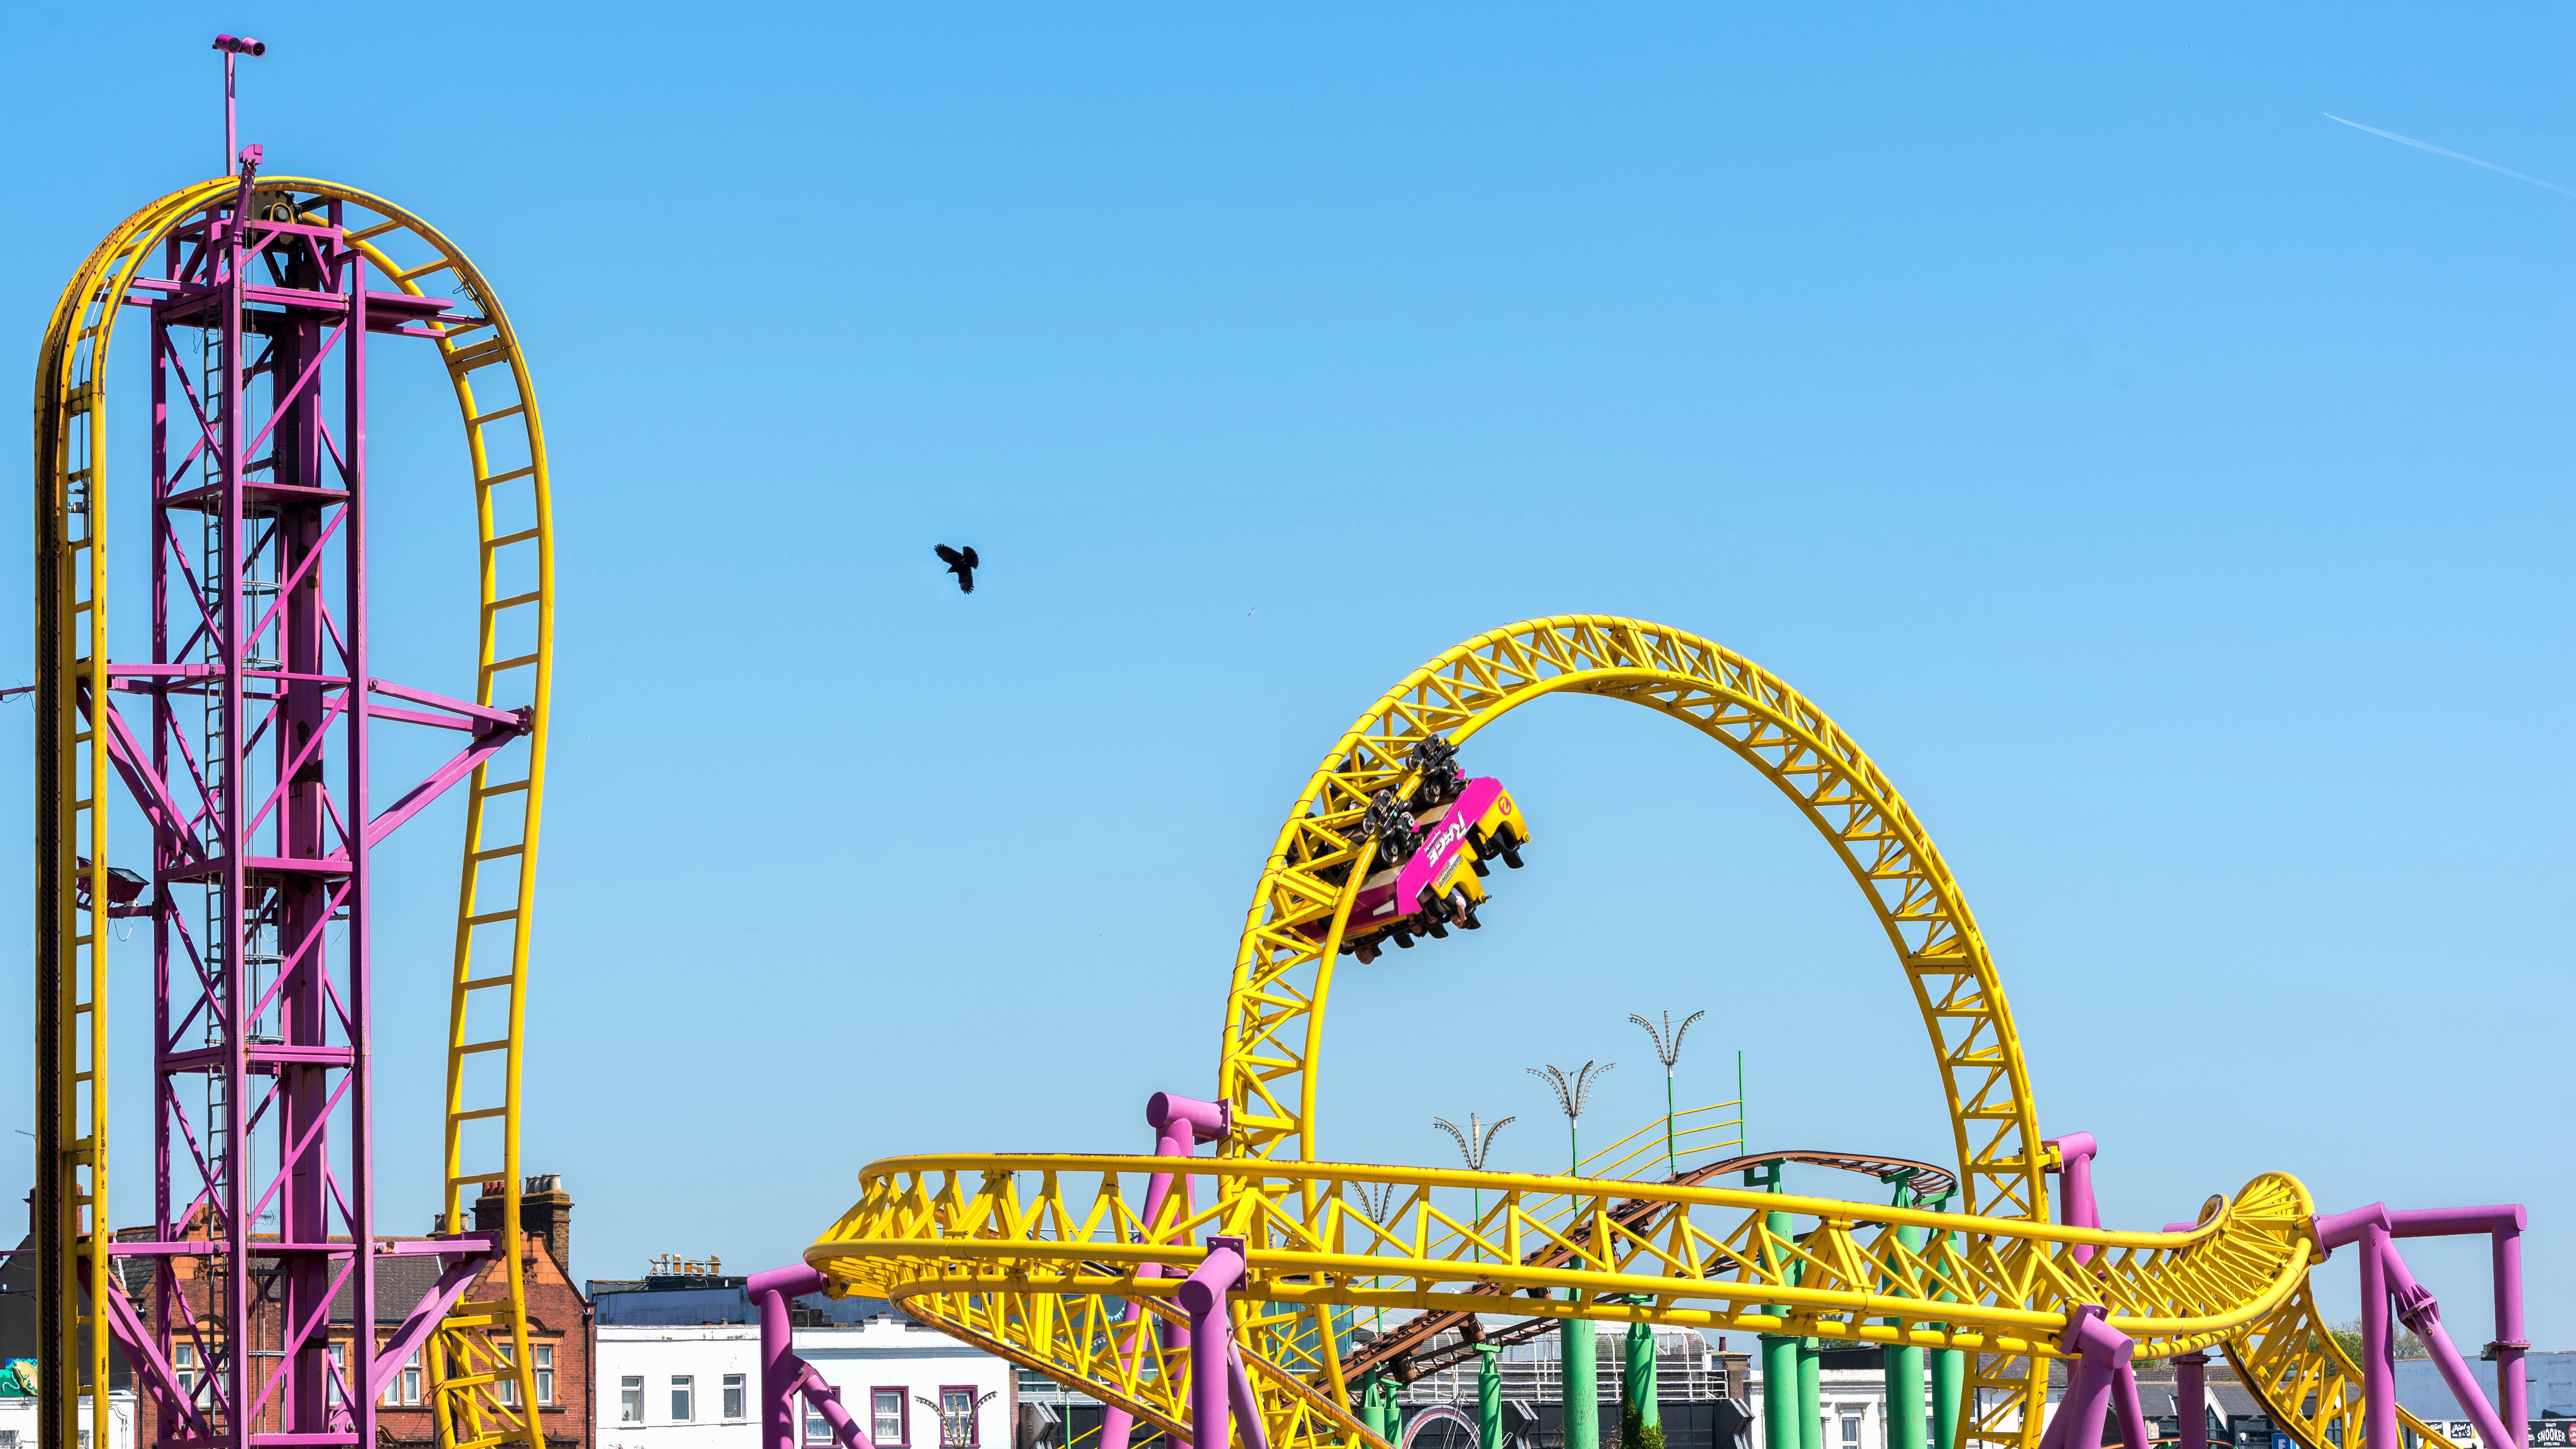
1440	874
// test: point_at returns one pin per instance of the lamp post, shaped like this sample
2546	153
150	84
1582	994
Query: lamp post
1473	1145
1668	1050
957	1423
1582	1400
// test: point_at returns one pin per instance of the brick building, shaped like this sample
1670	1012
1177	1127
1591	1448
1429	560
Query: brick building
558	1322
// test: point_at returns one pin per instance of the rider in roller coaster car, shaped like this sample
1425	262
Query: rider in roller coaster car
1431	854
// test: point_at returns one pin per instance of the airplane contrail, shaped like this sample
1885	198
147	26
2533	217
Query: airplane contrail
2454	155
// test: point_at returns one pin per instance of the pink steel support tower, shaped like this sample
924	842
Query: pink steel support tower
252	768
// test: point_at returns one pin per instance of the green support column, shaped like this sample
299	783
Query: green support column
1489	1396
1949	1374
1779	1392
1811	1404
1949	1386
1641	1374
1378	1412
1779	1351
1582	1404
1901	1365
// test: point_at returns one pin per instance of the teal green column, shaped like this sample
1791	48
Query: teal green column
1901	1365
1811	1404
1779	1351
1779	1392
1949	1386
1378	1412
1489	1396
1582	1405
1641	1375
1949	1373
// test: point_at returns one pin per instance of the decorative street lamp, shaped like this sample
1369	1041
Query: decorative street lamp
1668	1050
1577	1345
1573	1093
1473	1145
956	1421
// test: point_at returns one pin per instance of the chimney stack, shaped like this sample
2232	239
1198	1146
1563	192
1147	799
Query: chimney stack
545	1209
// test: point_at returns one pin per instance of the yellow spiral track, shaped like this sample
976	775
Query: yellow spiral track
1032	1256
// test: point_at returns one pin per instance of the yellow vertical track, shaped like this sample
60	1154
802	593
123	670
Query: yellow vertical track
482	1343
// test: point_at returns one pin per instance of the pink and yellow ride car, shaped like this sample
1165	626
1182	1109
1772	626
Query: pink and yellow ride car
1439	883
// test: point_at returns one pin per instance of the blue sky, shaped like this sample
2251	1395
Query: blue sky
2167	486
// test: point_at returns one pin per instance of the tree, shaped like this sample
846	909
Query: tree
2403	1342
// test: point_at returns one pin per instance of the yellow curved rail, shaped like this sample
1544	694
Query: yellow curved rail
970	1241
1273	1042
1002	1251
506	451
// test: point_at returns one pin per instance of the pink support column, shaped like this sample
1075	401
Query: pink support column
1179	1123
2378	1374
780	1369
2423	1315
2513	1392
1203	1297
2101	1352
2078	1208
2191	1399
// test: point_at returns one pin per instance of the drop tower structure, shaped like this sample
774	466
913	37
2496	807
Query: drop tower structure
214	776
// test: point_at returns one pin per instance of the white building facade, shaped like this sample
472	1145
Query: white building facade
18	1422
698	1387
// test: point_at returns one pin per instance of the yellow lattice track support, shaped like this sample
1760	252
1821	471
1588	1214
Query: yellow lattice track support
506	449
1283	978
1023	1255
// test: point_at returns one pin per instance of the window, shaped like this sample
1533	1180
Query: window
545	1356
404	1387
684	1398
630	1399
890	1416
959	1426
1851	1431
183	1362
733	1397
818	1430
508	1354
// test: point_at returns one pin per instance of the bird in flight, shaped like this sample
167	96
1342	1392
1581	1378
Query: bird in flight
963	565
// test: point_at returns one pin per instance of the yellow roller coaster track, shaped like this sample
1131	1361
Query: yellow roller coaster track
1029	1255
481	1348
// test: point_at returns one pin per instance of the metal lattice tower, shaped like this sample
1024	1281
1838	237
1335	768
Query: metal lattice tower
243	747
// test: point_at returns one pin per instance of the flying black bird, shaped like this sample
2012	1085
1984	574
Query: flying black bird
963	565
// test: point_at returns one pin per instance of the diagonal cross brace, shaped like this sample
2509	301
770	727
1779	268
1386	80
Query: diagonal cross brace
144	1354
417	1328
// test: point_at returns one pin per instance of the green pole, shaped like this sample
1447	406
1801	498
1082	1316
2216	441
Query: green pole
1582	1382
1949	1378
1779	1351
1641	1375
1902	1364
1672	1159
1489	1396
1811	1407
1779	1392
1378	1409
